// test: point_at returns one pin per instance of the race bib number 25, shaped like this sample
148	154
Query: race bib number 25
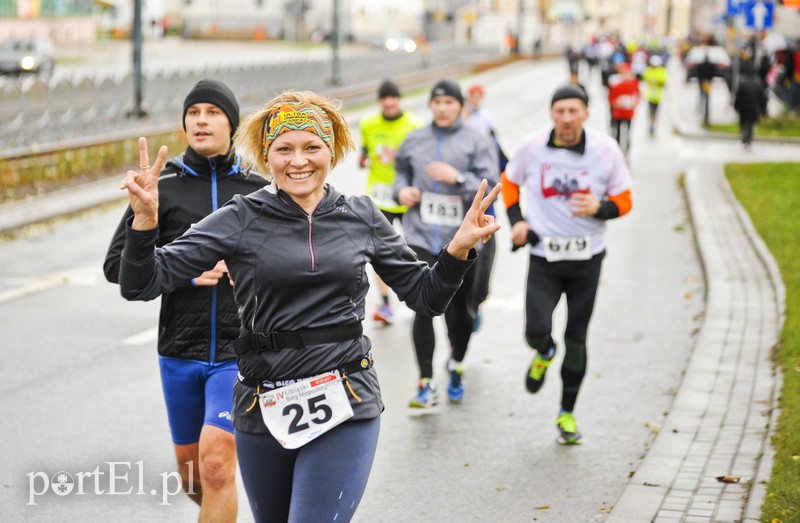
303	411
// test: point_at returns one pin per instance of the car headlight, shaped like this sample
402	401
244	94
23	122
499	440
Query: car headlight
27	63
410	46
392	44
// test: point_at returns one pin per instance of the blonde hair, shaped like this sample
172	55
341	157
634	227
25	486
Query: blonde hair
249	138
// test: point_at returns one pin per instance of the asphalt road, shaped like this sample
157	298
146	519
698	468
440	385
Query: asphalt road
80	384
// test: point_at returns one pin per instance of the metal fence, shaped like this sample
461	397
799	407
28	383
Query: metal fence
37	116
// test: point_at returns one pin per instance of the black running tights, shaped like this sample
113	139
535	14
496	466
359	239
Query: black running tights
459	318
547	281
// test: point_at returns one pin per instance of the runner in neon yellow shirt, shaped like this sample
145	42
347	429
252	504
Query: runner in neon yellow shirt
654	78
381	136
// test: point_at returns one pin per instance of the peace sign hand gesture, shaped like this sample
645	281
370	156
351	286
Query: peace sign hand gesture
476	225
142	188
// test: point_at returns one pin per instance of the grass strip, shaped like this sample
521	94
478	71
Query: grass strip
770	192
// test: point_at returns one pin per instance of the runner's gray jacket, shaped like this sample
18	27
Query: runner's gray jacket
461	146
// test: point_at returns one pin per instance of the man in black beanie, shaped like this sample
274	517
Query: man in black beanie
215	93
199	321
438	169
575	180
447	87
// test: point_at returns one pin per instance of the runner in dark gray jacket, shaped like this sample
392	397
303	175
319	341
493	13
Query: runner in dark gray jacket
307	404
438	168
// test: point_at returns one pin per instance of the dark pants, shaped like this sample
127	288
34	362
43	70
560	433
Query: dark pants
746	127
459	318
483	276
547	281
621	131
321	481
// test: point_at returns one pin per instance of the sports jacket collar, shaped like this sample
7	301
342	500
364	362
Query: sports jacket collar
194	164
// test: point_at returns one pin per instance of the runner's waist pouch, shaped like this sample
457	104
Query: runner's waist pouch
253	370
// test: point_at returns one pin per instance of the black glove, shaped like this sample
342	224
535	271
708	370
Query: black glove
533	239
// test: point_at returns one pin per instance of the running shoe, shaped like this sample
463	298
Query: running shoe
567	429
455	389
535	376
384	314
426	396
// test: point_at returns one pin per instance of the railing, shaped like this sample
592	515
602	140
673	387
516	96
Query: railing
37	116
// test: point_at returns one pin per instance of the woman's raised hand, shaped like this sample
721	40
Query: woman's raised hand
477	224
142	187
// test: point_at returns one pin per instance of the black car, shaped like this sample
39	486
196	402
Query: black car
27	56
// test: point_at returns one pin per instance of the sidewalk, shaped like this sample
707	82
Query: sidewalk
712	457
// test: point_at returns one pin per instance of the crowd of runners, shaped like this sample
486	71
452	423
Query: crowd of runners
262	269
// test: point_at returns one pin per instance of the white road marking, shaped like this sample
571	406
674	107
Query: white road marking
21	287
148	336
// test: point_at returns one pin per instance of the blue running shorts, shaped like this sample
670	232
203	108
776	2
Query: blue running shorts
197	393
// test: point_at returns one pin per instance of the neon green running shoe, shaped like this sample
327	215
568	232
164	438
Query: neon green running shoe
535	376
567	429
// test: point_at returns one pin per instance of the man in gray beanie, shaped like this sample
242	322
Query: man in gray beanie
199	321
438	169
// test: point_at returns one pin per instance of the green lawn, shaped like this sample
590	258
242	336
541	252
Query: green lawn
772	126
770	193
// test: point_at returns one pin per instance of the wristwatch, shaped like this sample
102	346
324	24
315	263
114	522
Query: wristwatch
460	178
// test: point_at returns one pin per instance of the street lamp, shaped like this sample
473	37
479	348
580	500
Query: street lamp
137	111
335	62
520	16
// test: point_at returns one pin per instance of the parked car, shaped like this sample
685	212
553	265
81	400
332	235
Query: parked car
717	55
27	56
395	41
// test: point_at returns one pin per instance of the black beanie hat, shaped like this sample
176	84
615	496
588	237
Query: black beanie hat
217	93
388	88
447	87
570	91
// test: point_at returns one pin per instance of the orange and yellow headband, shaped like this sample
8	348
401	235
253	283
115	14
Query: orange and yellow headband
298	116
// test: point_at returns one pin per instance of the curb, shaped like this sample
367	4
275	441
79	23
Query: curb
723	416
674	481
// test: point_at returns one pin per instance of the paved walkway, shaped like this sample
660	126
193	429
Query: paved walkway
724	412
712	457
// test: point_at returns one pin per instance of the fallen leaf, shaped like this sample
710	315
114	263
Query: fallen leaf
542	507
796	458
501	488
654	427
604	510
729	479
